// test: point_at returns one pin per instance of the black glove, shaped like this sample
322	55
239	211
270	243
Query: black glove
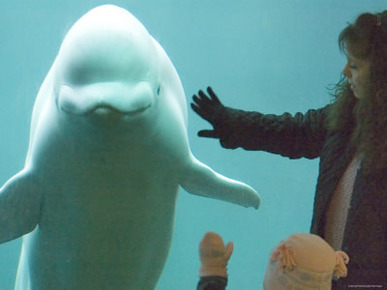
212	110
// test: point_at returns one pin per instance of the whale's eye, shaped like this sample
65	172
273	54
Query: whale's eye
158	90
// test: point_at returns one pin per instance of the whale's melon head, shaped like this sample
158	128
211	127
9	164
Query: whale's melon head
107	65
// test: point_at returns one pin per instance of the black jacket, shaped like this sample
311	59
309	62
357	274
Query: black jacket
305	135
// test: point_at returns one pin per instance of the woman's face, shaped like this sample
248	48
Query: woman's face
357	72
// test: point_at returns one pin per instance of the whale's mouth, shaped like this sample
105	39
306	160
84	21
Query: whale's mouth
107	110
106	99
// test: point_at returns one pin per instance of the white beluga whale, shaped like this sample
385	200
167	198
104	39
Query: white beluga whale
107	154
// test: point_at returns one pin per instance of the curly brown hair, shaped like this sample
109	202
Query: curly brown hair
365	118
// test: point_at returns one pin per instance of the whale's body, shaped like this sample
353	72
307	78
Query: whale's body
108	151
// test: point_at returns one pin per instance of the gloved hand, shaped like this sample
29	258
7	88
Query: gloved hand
214	255
210	109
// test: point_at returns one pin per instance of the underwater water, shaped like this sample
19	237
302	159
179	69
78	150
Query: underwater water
270	56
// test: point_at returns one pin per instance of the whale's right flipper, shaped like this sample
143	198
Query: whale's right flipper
20	206
199	179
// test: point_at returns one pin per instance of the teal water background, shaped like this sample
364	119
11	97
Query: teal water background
270	56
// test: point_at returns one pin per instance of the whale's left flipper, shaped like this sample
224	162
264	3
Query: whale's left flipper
199	179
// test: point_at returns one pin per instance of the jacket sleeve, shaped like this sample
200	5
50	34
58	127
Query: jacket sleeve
293	136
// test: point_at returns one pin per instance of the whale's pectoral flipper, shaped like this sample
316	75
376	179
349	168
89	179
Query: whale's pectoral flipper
199	179
20	203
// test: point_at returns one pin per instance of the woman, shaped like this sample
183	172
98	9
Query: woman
349	136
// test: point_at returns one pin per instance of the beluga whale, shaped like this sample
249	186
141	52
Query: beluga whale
108	152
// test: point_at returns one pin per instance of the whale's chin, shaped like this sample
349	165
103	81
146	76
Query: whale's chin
106	111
